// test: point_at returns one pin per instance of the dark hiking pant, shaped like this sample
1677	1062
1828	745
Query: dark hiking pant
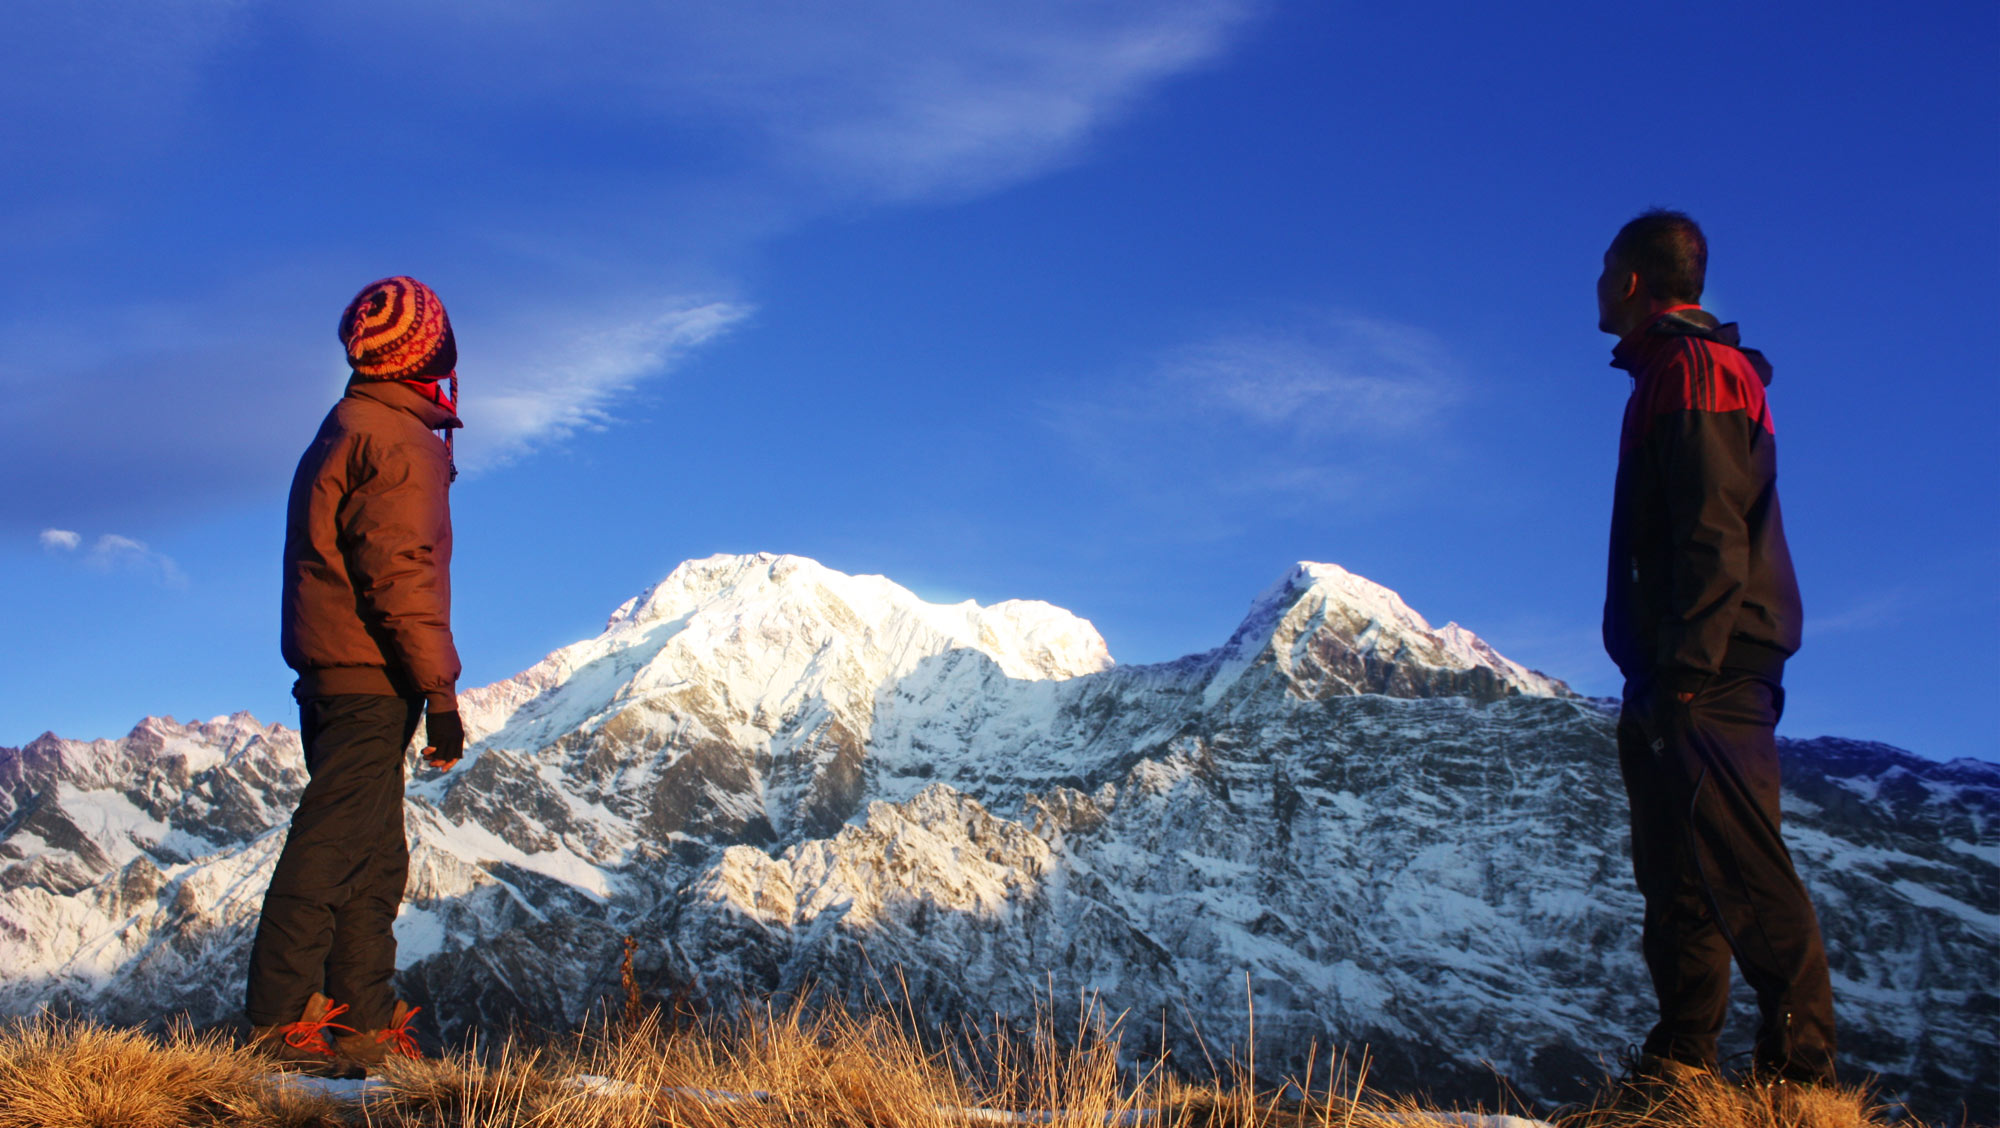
328	918
1717	879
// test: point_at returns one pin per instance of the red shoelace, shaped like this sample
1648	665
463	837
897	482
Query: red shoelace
310	1034
399	1037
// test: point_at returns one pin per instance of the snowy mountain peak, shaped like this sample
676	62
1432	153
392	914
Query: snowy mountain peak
1363	598
778	658
781	779
1328	630
1028	638
155	743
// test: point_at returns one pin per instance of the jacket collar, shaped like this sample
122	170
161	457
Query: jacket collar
1683	321
403	396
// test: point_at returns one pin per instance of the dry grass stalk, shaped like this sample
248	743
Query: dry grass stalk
80	1074
793	1068
1717	1103
629	980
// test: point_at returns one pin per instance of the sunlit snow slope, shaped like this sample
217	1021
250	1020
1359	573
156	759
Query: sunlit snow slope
779	778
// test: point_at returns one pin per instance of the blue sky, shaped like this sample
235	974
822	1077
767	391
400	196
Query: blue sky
1122	305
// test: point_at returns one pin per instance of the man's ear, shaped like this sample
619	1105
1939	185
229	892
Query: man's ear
1631	288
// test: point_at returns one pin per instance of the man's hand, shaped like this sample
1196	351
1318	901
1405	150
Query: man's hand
444	740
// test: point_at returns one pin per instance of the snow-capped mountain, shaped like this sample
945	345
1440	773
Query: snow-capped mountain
782	778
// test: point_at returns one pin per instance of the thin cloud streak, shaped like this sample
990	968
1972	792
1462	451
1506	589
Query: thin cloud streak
128	73
1350	377
896	100
193	419
1886	609
572	382
115	553
722	127
1321	412
1006	98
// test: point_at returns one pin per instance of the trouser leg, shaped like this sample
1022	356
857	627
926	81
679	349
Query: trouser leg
1756	889
1714	784
362	959
326	924
1686	954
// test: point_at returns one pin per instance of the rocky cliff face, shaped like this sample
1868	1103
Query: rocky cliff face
781	778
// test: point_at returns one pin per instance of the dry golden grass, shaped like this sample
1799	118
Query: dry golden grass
1717	1103
57	1074
790	1069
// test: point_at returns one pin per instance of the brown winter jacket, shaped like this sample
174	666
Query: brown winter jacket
367	603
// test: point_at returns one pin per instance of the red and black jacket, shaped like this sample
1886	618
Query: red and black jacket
1700	577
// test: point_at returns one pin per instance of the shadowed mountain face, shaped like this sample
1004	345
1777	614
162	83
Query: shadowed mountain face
780	778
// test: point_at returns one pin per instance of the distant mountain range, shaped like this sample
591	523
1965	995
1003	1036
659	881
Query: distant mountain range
781	778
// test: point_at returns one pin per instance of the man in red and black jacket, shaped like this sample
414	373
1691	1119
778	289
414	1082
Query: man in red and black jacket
1701	611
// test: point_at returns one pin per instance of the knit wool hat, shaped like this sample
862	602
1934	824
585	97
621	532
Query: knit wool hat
396	329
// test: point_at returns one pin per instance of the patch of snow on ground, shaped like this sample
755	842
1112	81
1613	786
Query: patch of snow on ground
419	935
1983	919
111	820
473	842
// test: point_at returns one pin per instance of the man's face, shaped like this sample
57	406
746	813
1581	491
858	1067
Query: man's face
1616	287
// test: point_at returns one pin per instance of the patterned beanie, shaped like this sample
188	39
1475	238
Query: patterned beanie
396	329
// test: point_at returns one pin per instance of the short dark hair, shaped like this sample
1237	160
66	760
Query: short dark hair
1668	252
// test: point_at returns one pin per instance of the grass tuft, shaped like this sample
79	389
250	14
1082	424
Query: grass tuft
57	1073
775	1069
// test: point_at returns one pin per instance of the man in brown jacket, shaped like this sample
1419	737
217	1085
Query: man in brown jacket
367	626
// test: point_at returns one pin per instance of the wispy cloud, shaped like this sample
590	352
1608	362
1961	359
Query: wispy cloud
953	99
883	100
1345	377
558	385
120	413
1883	609
579	159
115	553
1317	410
183	418
127	72
889	99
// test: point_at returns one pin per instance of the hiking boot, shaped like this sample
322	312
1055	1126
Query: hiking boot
369	1049
1785	1085
1651	1081
301	1047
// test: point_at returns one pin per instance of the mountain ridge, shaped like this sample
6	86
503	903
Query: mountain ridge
782	779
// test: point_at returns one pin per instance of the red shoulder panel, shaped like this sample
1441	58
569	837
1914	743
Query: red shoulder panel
1690	374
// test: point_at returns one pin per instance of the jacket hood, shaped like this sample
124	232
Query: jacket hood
435	416
1695	322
